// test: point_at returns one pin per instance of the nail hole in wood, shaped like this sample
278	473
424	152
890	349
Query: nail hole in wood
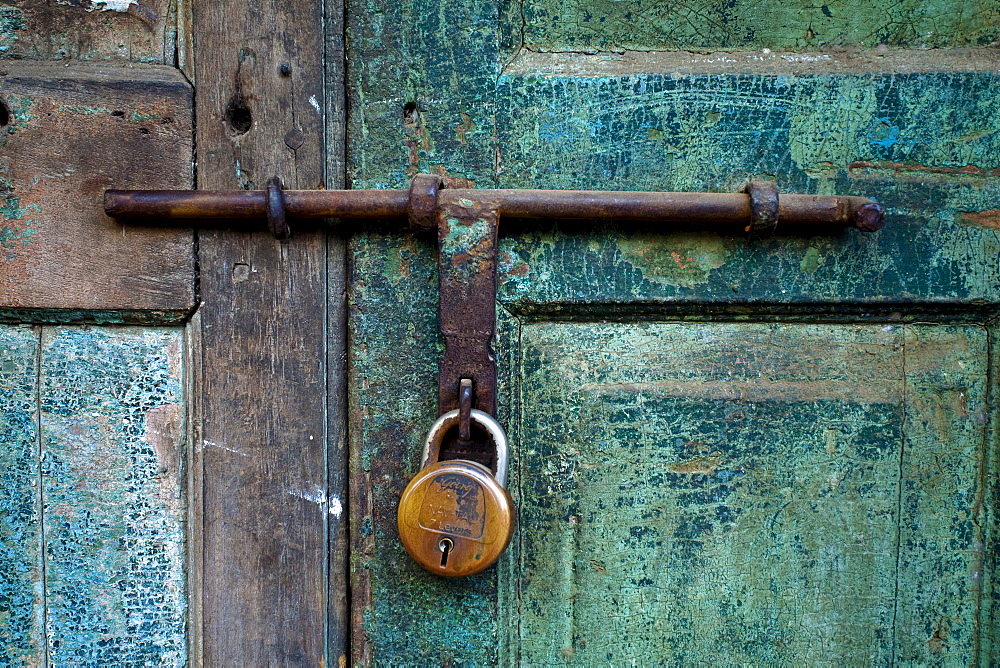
410	112
238	117
4	115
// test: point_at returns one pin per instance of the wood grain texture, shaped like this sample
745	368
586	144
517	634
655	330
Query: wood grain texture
647	25
338	452
134	30
263	478
22	607
71	133
112	415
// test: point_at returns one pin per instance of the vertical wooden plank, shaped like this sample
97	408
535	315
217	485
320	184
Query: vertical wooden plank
112	416
938	607
338	586
21	597
263	477
989	621
421	87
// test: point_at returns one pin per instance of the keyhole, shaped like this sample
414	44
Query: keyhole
445	545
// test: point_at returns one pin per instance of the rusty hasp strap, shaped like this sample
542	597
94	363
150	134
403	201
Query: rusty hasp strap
759	207
467	268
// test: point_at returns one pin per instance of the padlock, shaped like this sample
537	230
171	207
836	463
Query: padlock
455	517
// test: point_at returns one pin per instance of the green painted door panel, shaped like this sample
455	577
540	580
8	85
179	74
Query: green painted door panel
749	493
725	451
91	512
715	491
648	25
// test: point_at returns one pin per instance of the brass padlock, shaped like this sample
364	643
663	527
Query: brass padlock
455	517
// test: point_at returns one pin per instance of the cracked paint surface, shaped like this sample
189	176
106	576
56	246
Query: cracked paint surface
95	498
749	493
648	25
20	539
725	491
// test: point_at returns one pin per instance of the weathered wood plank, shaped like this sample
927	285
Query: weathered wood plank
122	30
338	450
112	407
263	478
21	594
649	25
420	99
69	134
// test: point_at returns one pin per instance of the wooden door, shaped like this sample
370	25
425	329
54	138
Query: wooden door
167	494
725	450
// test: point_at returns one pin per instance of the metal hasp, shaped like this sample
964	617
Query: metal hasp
467	222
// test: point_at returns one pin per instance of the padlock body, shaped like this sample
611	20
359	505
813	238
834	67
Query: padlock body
455	519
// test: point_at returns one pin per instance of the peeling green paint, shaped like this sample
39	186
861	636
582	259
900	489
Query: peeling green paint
13	235
813	134
812	260
137	116
80	109
830	124
821	442
682	260
20	113
11	23
112	432
647	25
748	517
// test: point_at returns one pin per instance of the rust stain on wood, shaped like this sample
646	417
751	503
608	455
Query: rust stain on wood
989	219
902	171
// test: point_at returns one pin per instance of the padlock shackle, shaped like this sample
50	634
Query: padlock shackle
449	420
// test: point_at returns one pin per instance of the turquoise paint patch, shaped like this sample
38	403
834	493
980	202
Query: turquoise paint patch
884	134
11	22
77	109
14	236
20	113
141	117
20	520
112	425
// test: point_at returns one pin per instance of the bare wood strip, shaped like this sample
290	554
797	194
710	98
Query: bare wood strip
264	471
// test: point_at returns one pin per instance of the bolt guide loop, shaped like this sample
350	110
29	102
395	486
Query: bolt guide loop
455	517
